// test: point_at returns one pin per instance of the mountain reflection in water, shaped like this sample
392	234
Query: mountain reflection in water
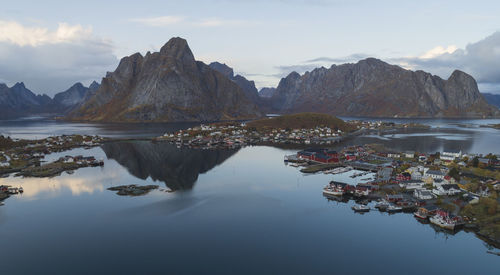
177	167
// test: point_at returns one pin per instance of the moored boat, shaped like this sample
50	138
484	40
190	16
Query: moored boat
382	205
360	208
332	191
393	208
445	220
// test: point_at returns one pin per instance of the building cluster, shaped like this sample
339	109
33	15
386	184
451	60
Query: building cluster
210	136
417	175
20	153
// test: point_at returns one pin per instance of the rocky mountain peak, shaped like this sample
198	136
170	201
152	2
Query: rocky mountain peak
223	69
178	48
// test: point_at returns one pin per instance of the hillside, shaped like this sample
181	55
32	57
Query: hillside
492	99
301	121
374	88
167	86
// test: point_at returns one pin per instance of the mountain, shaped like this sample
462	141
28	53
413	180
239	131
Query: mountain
169	85
372	87
19	101
267	92
492	99
177	168
248	86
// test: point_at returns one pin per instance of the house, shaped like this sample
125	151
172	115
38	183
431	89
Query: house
484	161
394	198
411	184
423	194
446	190
393	155
451	154
409	154
403	176
434	174
422	158
496	186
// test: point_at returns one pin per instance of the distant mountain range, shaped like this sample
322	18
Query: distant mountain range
18	101
492	99
170	85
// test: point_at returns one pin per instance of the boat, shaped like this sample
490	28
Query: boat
382	205
360	208
21	190
393	208
445	220
332	191
2	203
424	213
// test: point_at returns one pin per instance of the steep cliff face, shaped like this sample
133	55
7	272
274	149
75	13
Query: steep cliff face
169	85
246	85
372	87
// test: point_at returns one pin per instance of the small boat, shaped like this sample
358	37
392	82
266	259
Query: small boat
393	208
360	208
446	221
332	191
382	205
424	213
21	190
2	203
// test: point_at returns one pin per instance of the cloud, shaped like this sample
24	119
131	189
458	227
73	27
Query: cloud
345	59
50	61
480	59
159	21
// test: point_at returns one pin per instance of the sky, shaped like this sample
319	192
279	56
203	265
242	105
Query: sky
50	45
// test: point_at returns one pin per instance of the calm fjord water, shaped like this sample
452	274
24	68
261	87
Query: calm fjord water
233	211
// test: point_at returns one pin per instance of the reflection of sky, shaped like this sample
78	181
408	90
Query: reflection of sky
444	136
252	206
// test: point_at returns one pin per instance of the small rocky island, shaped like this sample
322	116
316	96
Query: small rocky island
133	190
25	157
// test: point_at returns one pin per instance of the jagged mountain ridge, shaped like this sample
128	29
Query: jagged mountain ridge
372	87
169	85
18	101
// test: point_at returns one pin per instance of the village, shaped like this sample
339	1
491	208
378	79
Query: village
26	158
237	135
450	190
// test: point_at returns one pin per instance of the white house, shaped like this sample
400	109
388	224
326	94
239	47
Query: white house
451	154
412	184
423	194
446	190
434	174
409	154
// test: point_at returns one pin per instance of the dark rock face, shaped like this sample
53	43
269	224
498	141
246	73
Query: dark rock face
71	96
177	168
19	101
246	85
166	86
372	87
267	92
493	99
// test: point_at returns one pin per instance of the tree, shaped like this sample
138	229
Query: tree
454	173
475	162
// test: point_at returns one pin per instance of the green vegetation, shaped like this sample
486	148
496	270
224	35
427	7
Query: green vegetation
486	215
301	121
480	172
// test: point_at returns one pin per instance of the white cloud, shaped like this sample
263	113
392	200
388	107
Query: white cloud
480	59
159	21
437	51
50	61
